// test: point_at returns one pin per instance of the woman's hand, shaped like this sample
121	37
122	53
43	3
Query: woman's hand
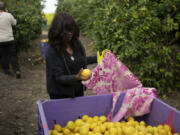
83	78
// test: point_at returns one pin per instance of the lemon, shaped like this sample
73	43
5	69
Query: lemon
97	129
66	131
113	131
130	130
50	132
109	125
103	128
54	132
117	124
119	131
102	118
167	127
169	133
70	125
57	127
95	118
99	123
83	130
90	133
78	122
77	134
86	125
76	129
85	117
89	120
160	126
86	72
59	133
162	132
142	123
135	15
106	133
97	134
130	119
93	125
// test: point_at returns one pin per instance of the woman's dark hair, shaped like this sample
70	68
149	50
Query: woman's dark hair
2	6
61	25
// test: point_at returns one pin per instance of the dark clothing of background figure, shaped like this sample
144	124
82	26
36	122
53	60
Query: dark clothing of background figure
61	71
8	55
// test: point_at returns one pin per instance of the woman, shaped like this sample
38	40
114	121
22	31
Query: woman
8	53
65	59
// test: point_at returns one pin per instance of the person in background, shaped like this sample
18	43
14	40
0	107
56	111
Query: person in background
7	47
65	58
45	23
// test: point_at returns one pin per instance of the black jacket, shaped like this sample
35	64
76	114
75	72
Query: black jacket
61	72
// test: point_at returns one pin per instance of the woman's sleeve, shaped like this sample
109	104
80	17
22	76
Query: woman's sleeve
89	59
58	70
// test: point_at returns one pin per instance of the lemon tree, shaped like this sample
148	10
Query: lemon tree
144	34
29	20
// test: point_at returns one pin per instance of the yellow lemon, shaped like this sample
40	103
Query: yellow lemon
130	119
89	120
93	125
57	127
66	131
54	132
50	132
162	132
77	134
117	125
167	127
102	118
106	133
142	123
78	122
169	133
70	125
90	133
103	128
97	134
119	131
85	117
113	131
95	118
59	133
76	129
86	72
83	130
97	129
109	125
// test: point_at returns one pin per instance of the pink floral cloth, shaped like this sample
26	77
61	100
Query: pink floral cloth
111	76
136	102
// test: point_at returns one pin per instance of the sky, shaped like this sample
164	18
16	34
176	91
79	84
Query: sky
50	6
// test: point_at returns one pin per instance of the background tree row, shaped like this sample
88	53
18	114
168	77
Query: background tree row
29	20
144	34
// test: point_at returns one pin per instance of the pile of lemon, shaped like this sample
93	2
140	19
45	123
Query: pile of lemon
98	125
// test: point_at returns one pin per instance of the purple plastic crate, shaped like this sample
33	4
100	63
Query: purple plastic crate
63	110
44	44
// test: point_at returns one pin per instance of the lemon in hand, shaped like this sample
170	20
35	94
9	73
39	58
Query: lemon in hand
86	72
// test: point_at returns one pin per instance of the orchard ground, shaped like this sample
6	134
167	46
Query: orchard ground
18	108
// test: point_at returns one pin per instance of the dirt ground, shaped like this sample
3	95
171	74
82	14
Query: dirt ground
18	97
